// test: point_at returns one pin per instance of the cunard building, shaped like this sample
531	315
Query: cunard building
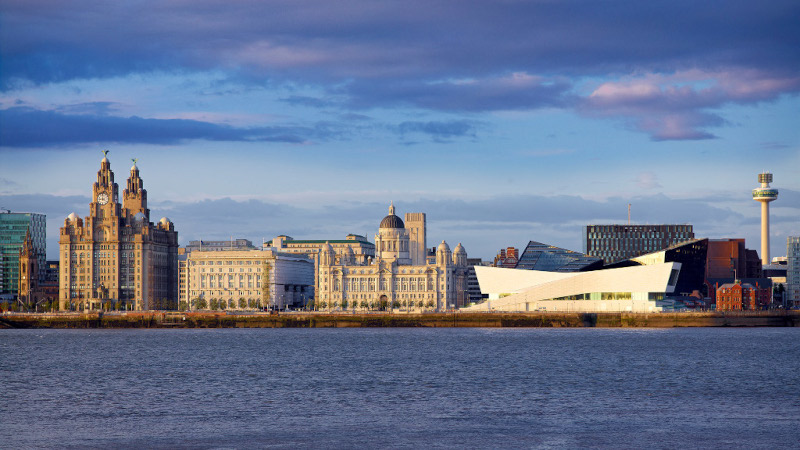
116	257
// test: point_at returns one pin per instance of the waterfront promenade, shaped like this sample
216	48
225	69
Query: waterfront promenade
211	319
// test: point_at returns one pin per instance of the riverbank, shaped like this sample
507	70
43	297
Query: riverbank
160	319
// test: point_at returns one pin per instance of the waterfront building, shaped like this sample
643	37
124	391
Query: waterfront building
506	257
115	257
643	288
793	271
353	244
614	243
549	258
392	278
215	246
729	259
692	255
739	296
248	279
14	227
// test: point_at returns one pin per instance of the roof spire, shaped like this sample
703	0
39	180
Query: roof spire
391	208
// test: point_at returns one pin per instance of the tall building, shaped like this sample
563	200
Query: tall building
793	271
247	279
391	277
14	227
614	243
549	258
116	257
764	195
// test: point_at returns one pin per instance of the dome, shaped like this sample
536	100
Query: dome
327	247
139	217
392	221
165	221
460	249
72	216
443	247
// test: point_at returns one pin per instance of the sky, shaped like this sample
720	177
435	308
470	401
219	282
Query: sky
504	121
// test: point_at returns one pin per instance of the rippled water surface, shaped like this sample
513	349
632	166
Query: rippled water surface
545	388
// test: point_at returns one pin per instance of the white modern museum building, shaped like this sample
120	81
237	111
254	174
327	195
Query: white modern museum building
627	289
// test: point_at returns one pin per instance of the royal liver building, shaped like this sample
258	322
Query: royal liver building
401	273
115	257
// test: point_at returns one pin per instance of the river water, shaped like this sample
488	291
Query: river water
411	388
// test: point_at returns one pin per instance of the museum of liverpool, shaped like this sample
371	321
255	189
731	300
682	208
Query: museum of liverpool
628	289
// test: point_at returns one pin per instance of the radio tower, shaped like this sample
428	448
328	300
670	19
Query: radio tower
765	194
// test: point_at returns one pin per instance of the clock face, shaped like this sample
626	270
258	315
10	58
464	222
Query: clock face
102	198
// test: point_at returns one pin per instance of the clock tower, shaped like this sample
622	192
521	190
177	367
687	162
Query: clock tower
116	258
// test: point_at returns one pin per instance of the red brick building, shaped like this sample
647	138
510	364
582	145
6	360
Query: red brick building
507	257
742	296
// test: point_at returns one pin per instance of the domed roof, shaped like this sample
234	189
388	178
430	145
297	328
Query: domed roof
444	247
72	216
392	221
327	247
164	221
140	217
459	249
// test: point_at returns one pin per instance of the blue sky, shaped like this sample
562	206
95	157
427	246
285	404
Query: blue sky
504	121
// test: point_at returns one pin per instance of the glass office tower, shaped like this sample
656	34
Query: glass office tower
13	227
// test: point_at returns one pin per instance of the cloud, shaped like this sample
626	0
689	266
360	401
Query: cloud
647	180
440	131
28	127
676	106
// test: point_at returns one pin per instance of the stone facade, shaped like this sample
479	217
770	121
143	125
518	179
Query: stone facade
392	278
115	256
247	279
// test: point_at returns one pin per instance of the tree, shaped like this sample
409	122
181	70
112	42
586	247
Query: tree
430	303
242	303
251	303
395	303
202	303
323	304
420	303
182	305
344	304
214	304
384	303
364	304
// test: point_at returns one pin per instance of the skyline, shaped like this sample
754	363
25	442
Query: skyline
504	122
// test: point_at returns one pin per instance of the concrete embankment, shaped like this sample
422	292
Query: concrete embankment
159	319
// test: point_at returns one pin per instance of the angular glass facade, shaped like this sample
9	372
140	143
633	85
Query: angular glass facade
13	227
549	258
615	243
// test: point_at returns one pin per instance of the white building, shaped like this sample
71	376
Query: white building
247	279
628	289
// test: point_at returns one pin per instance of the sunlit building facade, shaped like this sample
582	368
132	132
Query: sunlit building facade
614	243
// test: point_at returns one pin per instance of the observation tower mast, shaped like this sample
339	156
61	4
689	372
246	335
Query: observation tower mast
765	194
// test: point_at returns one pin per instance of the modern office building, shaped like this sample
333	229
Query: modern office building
764	195
116	257
614	243
793	271
215	246
549	258
13	229
692	255
474	294
247	279
628	289
392	278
